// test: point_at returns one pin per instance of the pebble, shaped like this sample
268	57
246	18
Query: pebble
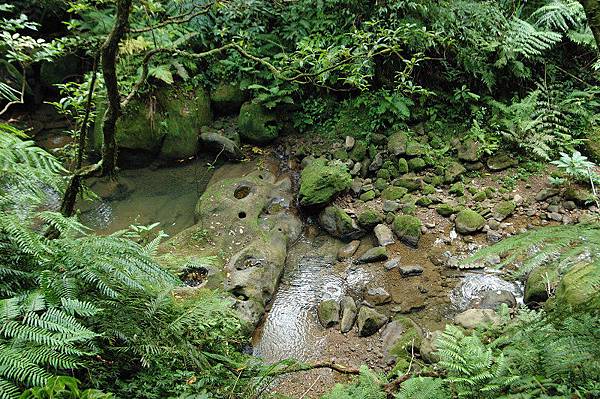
555	216
391	264
412	270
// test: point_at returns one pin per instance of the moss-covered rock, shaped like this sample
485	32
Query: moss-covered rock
359	151
503	209
381	184
339	224
227	98
578	289
445	210
457	189
321	181
427	189
416	149
369	219
383	174
501	161
453	172
408	229
256	124
328	312
409	183
369	321
580	196
182	116
592	146
367	196
416	164
424	201
468	222
539	281
393	193
340	154
397	143
402	166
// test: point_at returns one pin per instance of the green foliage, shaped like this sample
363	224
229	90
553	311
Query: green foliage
423	388
577	167
368	386
63	388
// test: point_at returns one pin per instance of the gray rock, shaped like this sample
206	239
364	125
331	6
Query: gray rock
546	193
376	163
472	318
501	162
329	313
429	347
557	217
370	321
377	296
468	151
356	169
493	299
376	254
390	206
219	143
349	143
412	270
390	335
392	264
348	250
338	223
349	312
384	235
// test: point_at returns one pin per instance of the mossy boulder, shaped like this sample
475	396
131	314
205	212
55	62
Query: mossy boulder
409	183
579	195
397	143
501	161
328	312
321	181
182	116
408	229
370	321
457	189
445	210
367	196
402	166
424	201
256	124
539	280
393	193
453	172
227	98
403	344
416	164
468	222
369	219
503	209
468	150
578	289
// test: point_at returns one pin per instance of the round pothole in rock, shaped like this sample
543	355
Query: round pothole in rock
242	215
194	276
242	191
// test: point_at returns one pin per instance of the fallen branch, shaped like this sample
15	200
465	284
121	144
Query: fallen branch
297	367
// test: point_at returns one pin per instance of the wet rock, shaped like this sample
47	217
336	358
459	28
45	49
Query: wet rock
338	223
392	264
408	229
370	321
377	296
500	162
348	250
469	222
495	298
578	288
472	318
349	143
384	235
397	143
453	172
411	270
329	313
321	181
503	209
546	193
349	312
376	254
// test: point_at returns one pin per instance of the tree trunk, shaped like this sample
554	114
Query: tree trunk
592	12
109	71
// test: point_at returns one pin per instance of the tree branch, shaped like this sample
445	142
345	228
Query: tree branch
179	19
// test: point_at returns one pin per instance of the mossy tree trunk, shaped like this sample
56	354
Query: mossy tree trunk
592	12
109	71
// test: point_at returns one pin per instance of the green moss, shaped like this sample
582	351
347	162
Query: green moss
416	164
424	201
369	219
578	288
410	338
409	183
407	228
320	182
415	149
397	143
367	196
539	280
227	98
342	155
427	189
445	210
256	124
402	166
503	209
381	184
393	193
359	151
457	189
592	146
383	174
479	196
468	221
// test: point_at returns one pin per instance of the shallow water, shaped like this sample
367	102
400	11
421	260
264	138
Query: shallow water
473	285
167	195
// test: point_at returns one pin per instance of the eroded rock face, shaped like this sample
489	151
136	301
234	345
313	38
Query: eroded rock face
248	224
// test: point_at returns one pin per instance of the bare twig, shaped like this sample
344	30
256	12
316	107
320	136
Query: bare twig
178	19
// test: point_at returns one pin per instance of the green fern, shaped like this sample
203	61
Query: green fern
423	388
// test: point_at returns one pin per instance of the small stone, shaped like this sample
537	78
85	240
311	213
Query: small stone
384	235
390	206
557	217
356	169
377	296
409	271
348	250
376	254
392	264
546	193
569	205
493	299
